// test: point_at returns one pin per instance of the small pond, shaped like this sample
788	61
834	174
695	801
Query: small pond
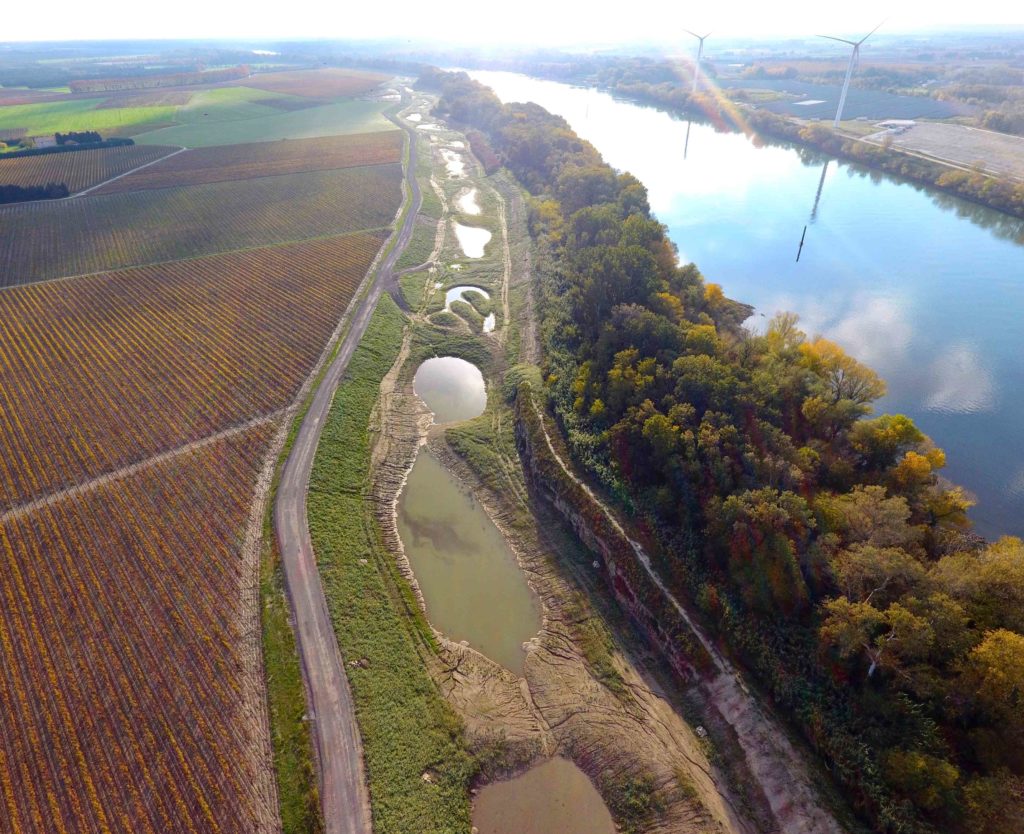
472	239
472	584
459	294
452	388
555	797
467	203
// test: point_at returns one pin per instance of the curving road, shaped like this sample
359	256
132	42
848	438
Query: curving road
343	791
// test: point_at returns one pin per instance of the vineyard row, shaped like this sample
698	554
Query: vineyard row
95	233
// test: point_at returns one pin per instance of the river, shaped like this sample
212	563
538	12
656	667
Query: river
926	289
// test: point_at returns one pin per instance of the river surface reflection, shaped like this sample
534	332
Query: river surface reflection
925	288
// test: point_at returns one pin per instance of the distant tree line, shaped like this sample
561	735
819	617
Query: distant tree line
818	540
148	82
89	146
78	137
20	194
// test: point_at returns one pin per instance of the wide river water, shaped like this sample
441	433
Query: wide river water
926	289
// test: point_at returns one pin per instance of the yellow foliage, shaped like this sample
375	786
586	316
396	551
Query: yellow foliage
913	469
713	294
925	779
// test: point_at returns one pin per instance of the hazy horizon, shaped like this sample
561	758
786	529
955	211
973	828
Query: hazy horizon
533	24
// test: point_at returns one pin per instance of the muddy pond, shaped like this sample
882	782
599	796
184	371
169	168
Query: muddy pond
467	203
472	585
554	797
451	387
460	294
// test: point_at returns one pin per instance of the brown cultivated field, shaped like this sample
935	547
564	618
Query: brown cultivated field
78	170
996	153
122	655
29	96
90	234
321	83
221	163
103	371
155	98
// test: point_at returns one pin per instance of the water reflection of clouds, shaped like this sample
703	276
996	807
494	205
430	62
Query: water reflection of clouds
873	328
960	383
716	164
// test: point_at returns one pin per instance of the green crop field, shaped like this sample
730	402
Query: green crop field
52	239
225	104
327	120
81	114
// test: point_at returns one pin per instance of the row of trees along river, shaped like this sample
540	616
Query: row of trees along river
816	537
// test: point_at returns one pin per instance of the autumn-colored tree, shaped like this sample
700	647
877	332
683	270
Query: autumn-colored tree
763	532
927	781
990	583
876	575
888	640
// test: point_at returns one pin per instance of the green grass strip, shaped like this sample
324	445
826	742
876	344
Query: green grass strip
293	750
408	730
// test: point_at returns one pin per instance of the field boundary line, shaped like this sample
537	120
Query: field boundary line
119	176
217	182
133	468
368	231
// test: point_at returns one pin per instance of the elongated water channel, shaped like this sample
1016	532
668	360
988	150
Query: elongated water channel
471	583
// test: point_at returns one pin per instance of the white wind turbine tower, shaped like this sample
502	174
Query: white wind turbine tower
854	57
700	54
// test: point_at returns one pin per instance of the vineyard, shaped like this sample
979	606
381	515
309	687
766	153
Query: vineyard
106	370
149	99
322	83
121	659
222	163
97	233
78	170
139	396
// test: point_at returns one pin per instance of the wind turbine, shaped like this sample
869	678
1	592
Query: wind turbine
854	56
700	53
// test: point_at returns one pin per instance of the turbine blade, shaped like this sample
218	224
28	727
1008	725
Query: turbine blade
841	40
869	34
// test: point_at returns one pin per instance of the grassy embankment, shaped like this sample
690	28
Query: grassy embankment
408	730
298	794
422	243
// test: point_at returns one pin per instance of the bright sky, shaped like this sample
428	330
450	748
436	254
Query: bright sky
531	22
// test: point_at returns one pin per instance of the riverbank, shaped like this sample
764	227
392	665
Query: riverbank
1002	194
747	458
586	691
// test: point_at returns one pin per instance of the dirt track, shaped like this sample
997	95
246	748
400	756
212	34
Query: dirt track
343	791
